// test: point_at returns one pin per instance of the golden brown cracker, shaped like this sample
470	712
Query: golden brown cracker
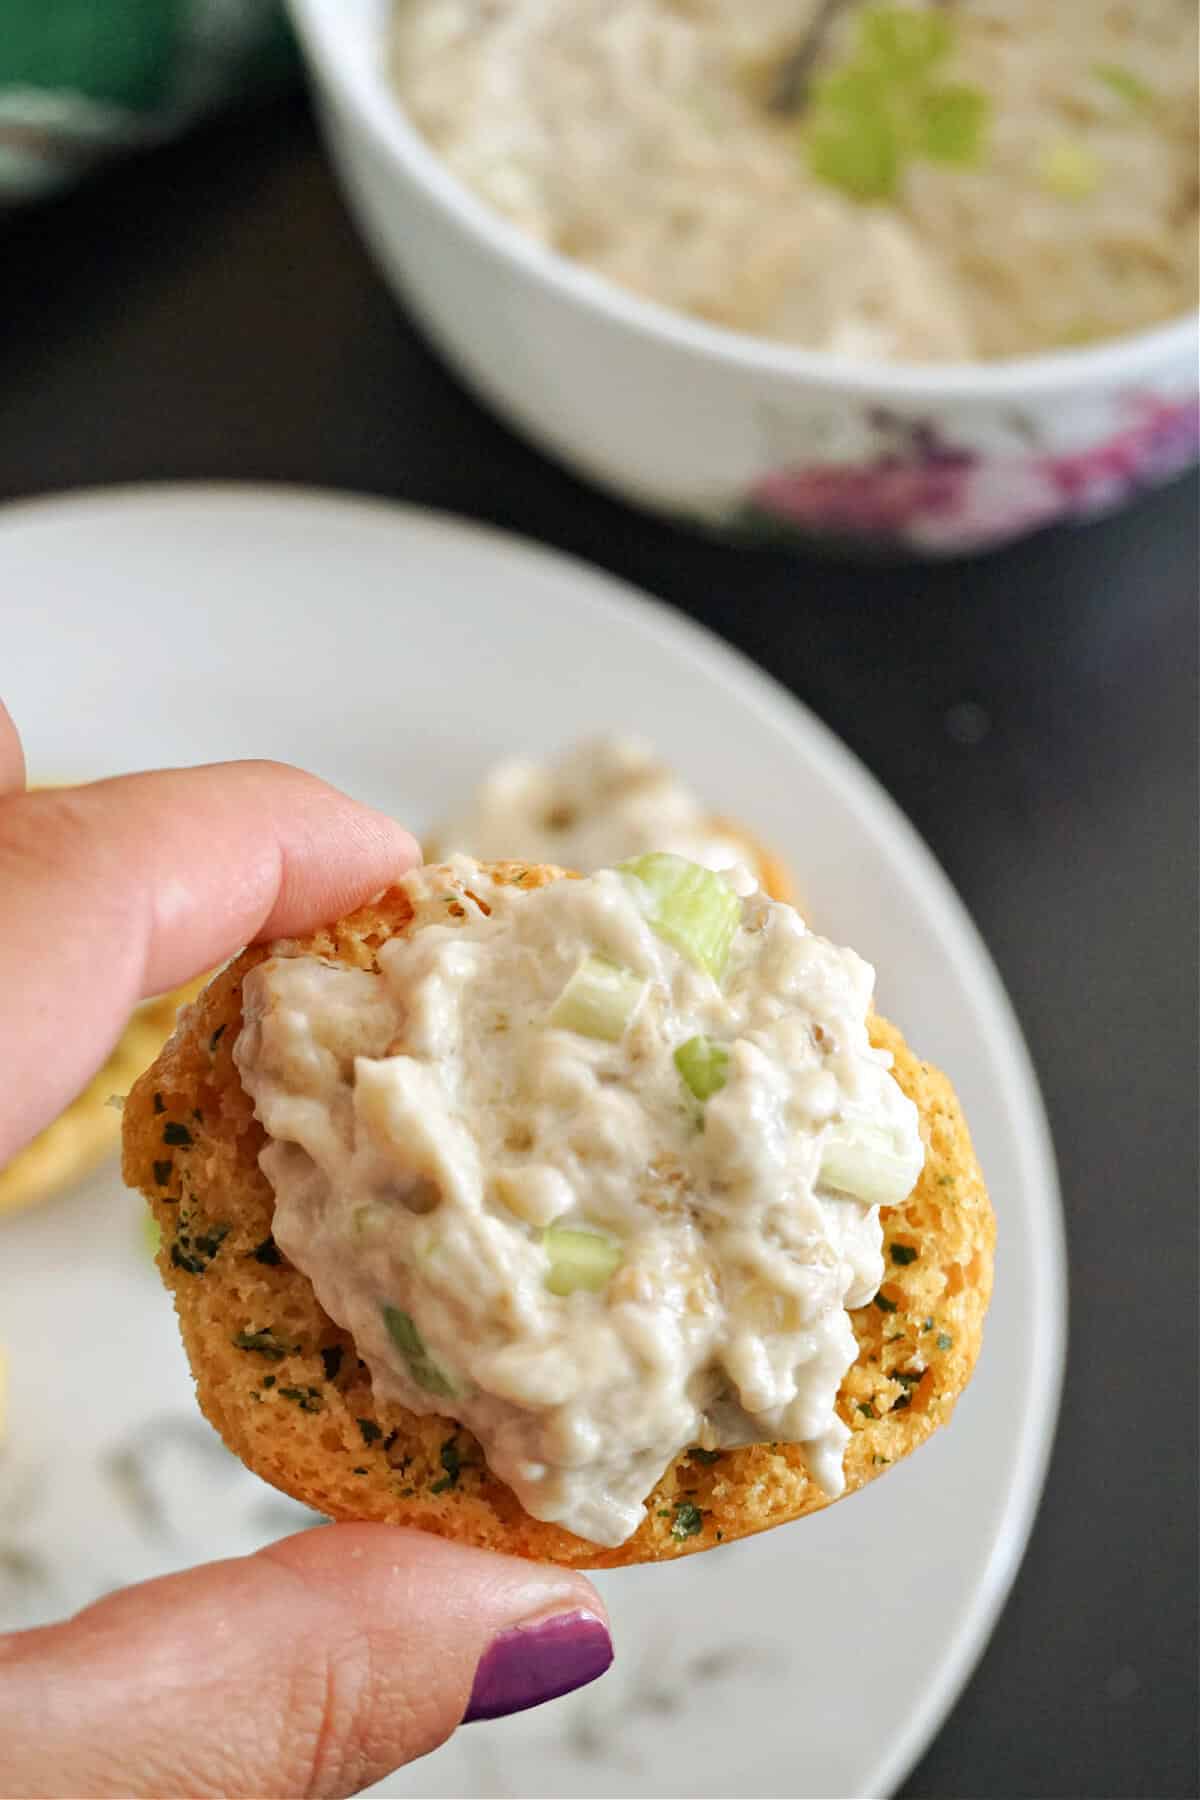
286	1390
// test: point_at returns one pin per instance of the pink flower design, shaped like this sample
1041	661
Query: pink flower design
1162	438
881	499
923	492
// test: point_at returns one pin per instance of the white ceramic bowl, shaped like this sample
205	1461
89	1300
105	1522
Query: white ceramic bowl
727	430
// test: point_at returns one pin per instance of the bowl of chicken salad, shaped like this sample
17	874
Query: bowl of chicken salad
905	278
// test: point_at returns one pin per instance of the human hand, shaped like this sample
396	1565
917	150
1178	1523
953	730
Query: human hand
328	1659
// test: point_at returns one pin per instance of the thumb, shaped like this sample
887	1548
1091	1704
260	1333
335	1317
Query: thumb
313	1668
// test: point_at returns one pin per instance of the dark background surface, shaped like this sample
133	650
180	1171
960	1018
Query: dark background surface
209	313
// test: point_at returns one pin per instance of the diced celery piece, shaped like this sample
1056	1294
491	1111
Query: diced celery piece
370	1219
598	1001
578	1259
1069	169
694	909
424	1370
703	1065
952	123
902	43
863	1162
1123	83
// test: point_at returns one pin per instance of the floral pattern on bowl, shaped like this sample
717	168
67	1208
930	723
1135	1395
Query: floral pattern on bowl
920	490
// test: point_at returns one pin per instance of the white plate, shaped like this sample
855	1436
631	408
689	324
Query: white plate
397	653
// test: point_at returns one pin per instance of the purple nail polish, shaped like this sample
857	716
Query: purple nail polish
532	1663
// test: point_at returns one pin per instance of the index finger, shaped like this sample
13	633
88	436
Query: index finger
122	889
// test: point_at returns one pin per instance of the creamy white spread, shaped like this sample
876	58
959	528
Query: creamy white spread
635	136
428	1122
601	800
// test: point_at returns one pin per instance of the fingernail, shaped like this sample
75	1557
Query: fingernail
533	1663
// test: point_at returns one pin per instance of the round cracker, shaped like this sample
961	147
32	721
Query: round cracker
284	1387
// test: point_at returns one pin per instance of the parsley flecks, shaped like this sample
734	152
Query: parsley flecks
331	1357
268	1381
215	1039
264	1342
307	1399
688	1520
267	1252
903	1254
452	1463
371	1432
944	1340
907	1377
927	1325
704	1456
176	1133
902	1402
194	1248
160	1104
886	105
162	1171
884	1304
867	1410
360	1471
